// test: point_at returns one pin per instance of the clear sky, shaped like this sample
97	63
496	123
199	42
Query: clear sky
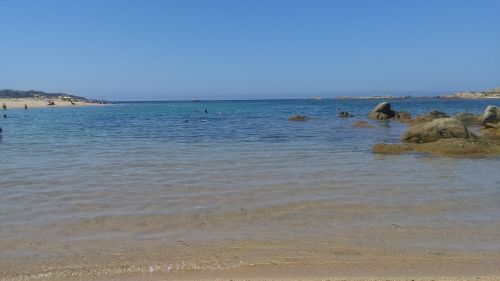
239	49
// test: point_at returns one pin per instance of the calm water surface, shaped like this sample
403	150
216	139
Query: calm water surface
126	176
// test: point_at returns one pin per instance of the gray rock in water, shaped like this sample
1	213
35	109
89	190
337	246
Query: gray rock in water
490	115
382	112
441	128
383	107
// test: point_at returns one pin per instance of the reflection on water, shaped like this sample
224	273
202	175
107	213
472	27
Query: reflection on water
83	183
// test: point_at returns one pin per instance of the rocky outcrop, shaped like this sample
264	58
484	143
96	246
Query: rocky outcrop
427	117
448	136
492	132
402	116
441	128
298	118
442	147
467	117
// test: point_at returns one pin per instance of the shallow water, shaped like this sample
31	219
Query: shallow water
140	180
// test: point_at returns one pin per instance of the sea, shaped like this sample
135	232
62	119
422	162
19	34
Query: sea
212	185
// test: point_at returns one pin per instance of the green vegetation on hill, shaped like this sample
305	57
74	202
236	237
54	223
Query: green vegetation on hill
16	94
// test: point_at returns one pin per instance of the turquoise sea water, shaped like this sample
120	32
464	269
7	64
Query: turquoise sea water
153	172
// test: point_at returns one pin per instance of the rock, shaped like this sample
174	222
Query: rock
383	107
429	117
467	117
378	116
443	147
490	115
345	114
362	124
382	112
402	116
441	128
491	126
298	118
391	148
491	133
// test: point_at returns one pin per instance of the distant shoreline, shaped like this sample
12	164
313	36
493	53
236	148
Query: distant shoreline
20	103
490	94
16	99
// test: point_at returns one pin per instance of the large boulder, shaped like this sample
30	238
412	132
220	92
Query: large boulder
441	128
427	117
382	112
490	115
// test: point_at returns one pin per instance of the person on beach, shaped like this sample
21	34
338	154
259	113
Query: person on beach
4	106
25	106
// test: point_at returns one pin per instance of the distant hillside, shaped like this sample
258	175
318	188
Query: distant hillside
490	94
16	94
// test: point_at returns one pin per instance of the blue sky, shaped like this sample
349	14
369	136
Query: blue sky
161	50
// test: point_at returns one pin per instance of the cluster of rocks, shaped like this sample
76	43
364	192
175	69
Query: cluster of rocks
436	132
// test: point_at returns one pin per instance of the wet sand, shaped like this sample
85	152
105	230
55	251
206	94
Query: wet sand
234	261
351	243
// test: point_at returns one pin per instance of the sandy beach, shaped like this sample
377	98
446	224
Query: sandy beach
41	103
